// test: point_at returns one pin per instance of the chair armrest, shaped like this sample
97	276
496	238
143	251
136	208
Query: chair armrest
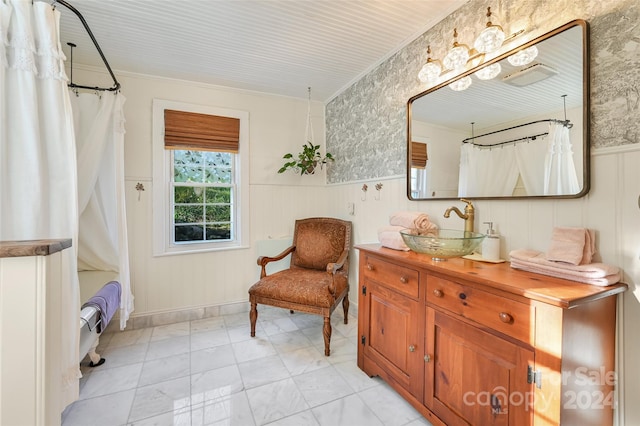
264	260
332	268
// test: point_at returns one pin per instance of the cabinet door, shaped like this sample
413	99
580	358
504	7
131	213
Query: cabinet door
393	336
474	377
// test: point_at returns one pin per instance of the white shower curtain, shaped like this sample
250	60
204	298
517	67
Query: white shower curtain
38	194
545	165
560	176
102	242
491	172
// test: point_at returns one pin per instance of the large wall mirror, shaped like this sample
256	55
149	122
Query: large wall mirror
522	133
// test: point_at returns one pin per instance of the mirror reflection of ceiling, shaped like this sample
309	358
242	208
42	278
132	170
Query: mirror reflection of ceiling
487	102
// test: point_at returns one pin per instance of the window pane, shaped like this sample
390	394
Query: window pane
187	174
216	175
218	213
189	214
217	159
219	232
188	158
189	233
188	194
218	195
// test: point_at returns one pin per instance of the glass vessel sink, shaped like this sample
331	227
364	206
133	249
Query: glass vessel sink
442	244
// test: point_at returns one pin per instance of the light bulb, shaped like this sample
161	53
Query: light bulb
458	56
523	57
460	85
487	73
490	39
429	72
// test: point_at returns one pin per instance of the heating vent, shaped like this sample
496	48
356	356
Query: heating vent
529	75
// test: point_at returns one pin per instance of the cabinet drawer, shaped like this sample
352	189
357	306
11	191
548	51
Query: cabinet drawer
393	276
507	316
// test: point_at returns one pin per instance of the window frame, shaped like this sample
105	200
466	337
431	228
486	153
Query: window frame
163	229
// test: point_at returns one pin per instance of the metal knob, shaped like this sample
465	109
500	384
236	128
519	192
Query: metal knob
412	348
438	293
404	280
505	317
427	358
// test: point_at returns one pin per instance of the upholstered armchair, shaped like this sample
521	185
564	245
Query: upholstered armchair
318	278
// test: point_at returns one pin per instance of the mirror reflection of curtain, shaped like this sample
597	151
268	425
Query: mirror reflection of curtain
494	172
559	169
491	172
38	181
530	156
102	237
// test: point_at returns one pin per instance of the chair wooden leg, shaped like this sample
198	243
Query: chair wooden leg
326	332
253	317
345	308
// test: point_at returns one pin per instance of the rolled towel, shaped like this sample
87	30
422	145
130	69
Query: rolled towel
389	236
571	245
403	219
590	271
423	224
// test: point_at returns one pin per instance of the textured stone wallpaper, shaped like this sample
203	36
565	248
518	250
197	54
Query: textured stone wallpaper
366	124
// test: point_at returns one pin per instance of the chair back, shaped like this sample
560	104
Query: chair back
320	241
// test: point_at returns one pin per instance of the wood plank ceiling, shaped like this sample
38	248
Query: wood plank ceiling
273	46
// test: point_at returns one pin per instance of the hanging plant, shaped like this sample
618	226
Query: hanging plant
310	157
306	161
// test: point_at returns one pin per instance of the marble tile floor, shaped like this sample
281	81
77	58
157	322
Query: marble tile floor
211	372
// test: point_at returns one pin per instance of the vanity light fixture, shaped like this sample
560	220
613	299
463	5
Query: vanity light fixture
458	56
491	38
523	57
431	69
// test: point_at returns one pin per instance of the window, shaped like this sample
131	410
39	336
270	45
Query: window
200	178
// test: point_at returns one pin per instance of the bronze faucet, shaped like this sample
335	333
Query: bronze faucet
468	216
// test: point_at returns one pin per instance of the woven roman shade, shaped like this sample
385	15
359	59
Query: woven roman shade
419	155
203	132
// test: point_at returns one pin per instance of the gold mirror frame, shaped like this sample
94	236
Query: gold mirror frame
585	184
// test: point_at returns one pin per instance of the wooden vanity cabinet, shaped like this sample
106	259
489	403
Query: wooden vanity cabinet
469	343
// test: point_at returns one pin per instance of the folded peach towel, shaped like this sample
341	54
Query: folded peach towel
571	245
592	273
532	267
389	236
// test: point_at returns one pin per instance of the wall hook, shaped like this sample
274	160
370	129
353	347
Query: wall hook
378	189
364	192
139	188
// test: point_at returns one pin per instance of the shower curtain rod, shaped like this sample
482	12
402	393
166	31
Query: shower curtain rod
565	123
116	84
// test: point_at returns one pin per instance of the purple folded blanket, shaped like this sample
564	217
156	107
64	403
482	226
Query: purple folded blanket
107	301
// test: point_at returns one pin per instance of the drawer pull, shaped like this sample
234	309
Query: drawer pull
404	280
462	296
370	267
505	317
427	358
412	348
438	293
